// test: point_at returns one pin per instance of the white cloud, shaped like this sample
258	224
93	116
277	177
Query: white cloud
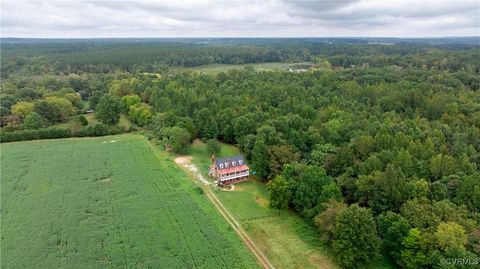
249	18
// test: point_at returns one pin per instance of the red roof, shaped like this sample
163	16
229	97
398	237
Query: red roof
232	169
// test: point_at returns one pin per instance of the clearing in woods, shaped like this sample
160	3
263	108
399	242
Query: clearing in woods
83	203
283	236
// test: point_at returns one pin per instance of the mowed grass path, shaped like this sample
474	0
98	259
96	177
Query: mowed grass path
110	202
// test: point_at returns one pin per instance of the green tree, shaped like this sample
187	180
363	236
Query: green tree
130	100
177	139
320	152
47	111
392	228
450	234
22	109
122	87
327	219
213	146
260	162
280	193
82	120
419	213
356	242
75	99
206	124
242	126
442	165
34	121
108	110
415	250
140	113
314	188
281	155
62	106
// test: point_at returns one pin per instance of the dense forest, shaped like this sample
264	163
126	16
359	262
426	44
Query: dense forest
377	144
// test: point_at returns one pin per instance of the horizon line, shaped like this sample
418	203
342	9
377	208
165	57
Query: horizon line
245	37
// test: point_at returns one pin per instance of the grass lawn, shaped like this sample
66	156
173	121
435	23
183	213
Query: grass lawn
286	238
108	202
217	68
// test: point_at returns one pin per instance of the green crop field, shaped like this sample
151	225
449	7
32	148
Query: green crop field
110	202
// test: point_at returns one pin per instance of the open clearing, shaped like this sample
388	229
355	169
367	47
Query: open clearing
81	203
217	68
286	239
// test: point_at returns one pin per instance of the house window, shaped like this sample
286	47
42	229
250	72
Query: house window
234	163
240	162
221	165
226	164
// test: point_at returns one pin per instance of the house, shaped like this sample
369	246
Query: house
229	170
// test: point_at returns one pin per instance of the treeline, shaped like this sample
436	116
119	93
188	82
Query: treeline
107	56
61	132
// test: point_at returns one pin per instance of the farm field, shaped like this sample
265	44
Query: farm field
283	236
217	68
110	202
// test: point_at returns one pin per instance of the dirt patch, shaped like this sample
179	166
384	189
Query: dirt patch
183	160
228	188
238	188
186	161
107	179
111	141
320	262
261	201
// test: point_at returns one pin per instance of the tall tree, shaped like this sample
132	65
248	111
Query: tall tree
47	111
393	228
260	160
327	219
280	193
177	138
108	110
414	254
356	241
206	124
22	109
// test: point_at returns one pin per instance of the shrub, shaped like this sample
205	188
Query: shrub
82	120
213	146
34	121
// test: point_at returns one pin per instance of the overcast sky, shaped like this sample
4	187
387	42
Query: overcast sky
202	18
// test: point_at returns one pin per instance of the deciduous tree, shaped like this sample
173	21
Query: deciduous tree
356	242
